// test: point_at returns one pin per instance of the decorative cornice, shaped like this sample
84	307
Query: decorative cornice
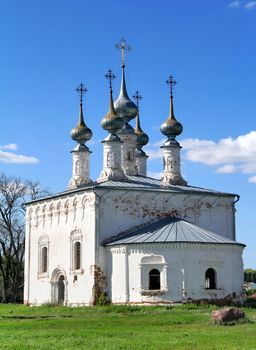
42	212
146	248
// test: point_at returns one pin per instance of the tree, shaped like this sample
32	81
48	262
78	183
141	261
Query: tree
250	275
13	194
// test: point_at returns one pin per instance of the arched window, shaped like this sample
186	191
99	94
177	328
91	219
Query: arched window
76	251
154	280
210	279
43	256
77	255
44	259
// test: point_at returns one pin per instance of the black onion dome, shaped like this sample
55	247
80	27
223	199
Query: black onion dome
124	107
112	122
81	133
171	127
142	137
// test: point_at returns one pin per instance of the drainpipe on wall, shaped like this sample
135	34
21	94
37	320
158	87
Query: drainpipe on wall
127	287
184	294
97	228
234	213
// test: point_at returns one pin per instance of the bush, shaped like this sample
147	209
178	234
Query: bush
102	299
249	292
250	302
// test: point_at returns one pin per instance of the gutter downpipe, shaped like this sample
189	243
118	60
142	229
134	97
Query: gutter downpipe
234	212
97	228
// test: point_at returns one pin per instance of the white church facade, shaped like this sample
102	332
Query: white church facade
130	237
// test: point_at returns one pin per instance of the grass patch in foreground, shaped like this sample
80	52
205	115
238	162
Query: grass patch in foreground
120	327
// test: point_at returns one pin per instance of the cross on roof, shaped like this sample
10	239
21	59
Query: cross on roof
110	76
137	97
170	81
123	46
81	89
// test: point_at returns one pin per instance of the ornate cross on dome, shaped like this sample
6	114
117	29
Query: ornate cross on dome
137	97
110	76
81	89
170	81
123	46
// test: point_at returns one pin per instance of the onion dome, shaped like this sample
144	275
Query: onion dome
81	133
111	122
171	127
123	105
142	138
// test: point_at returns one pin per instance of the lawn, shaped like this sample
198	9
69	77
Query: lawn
121	327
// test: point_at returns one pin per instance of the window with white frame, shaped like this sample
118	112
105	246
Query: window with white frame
76	251
43	256
153	275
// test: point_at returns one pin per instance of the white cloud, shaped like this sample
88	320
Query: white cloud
10	157
234	4
227	169
10	146
252	179
228	155
250	5
225	151
154	153
153	150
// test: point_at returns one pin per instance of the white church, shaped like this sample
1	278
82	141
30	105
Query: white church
127	236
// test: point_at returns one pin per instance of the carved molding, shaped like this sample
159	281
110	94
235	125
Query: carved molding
76	234
56	209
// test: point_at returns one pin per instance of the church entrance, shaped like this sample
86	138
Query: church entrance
58	287
61	290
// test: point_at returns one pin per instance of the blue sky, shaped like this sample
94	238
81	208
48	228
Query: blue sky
49	47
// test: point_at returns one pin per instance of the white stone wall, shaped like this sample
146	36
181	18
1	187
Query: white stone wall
120	210
141	164
171	158
81	167
103	213
128	152
182	269
58	218
111	160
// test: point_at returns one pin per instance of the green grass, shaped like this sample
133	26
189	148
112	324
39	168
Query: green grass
121	327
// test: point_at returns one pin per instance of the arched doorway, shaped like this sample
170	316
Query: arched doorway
59	287
61	290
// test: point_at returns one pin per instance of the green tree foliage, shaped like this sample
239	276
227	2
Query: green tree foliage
250	275
13	194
